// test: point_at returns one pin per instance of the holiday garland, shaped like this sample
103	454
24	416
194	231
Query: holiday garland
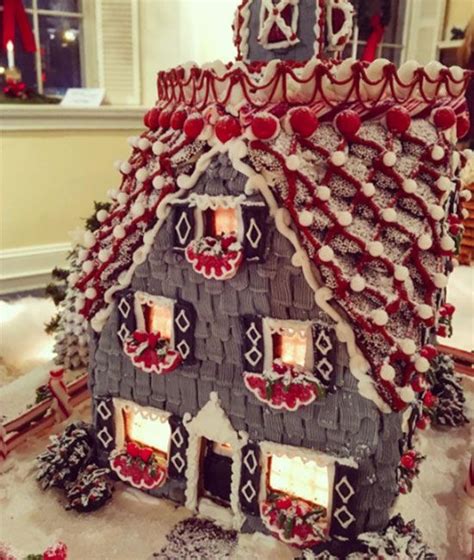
151	352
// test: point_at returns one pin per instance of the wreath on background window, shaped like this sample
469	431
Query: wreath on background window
151	352
139	466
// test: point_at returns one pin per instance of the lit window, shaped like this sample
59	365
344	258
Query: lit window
224	449
305	480
291	347
222	221
158	319
153	432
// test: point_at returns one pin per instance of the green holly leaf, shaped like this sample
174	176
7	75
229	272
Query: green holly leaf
289	526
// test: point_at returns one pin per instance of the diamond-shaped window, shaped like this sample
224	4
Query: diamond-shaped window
253	356
183	228
252	334
182	321
323	343
123	332
104	411
254	234
124	307
324	367
183	349
248	491
104	437
344	516
177	438
178	462
250	461
344	489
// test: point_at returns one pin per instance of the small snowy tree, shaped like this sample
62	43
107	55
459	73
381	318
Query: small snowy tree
91	490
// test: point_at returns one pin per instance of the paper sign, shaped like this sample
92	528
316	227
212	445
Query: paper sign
83	97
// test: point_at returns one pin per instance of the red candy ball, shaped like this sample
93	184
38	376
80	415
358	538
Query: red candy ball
418	383
408	461
177	119
153	120
193	126
398	120
429	352
227	127
264	126
429	399
348	123
165	119
304	122
444	117
462	126
422	423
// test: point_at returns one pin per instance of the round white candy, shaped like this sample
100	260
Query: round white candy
466	195
293	162
158	182
375	248
380	317
83	254
326	254
465	213
409	186
305	218
437	212
125	167
122	198
119	232
407	346
158	148
143	144
89	239
357	283
323	193
387	372
407	394
389	159
117	164
104	255
344	218
424	311
440	280
447	243
90	293
112	193
338	158
138	209
102	215
401	273
142	174
87	266
368	189
132	141
425	242
73	278
444	184
437	153
389	215
422	365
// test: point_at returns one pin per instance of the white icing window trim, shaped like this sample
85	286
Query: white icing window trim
212	423
277	326
143	298
151	413
266	24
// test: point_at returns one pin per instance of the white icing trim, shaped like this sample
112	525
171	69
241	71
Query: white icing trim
267	23
212	423
206	202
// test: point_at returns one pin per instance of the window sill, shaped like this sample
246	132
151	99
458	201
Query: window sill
48	117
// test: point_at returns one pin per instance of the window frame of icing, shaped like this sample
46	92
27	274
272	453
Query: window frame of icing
273	327
203	203
287	42
143	298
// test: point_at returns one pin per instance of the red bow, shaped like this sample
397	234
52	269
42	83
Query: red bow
151	339
13	10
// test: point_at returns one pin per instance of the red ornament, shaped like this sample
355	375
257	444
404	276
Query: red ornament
145	454
193	126
429	352
303	121
133	449
454	229
227	127
429	399
447	310
165	119
283	503
398	120
422	423
153	119
264	126
348	123
56	552
418	383
177	119
408	461
462	126
444	117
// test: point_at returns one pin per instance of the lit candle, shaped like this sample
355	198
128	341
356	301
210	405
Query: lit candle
10	55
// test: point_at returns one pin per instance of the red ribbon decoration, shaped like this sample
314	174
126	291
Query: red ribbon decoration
374	39
14	11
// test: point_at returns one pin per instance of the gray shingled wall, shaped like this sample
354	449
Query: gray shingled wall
343	424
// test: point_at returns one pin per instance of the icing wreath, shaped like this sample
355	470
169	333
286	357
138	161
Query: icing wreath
151	353
139	466
217	258
285	386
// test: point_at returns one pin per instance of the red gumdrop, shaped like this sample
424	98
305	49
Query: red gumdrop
165	119
154	119
177	119
444	117
398	120
418	384
462	126
449	308
193	126
429	399
264	126
145	119
303	121
227	127
422	423
407	461
429	352
348	123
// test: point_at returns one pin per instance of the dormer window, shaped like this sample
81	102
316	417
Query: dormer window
221	221
291	347
158	318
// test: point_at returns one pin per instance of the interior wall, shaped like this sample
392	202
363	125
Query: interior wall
49	180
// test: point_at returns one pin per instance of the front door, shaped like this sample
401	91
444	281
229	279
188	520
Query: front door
216	471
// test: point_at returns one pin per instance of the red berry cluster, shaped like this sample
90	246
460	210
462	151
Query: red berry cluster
137	464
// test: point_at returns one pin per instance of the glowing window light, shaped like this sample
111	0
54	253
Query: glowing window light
224	221
152	432
159	319
290	475
224	449
291	347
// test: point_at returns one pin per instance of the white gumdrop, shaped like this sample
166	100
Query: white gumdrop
326	254
122	198
409	186
158	148
158	182
87	266
89	239
73	278
465	214
104	255
305	218
387	372
143	144
132	141
424	311
338	158
125	168
440	280
117	164
437	153
293	162
389	159
138	209
407	394
466	195
375	248
82	254
112	193
119	232
425	242
407	346
437	212
323	193
401	273
380	317
184	181
91	293
368	189
447	243
102	215
344	218
141	175
422	365
357	283
444	184
389	215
